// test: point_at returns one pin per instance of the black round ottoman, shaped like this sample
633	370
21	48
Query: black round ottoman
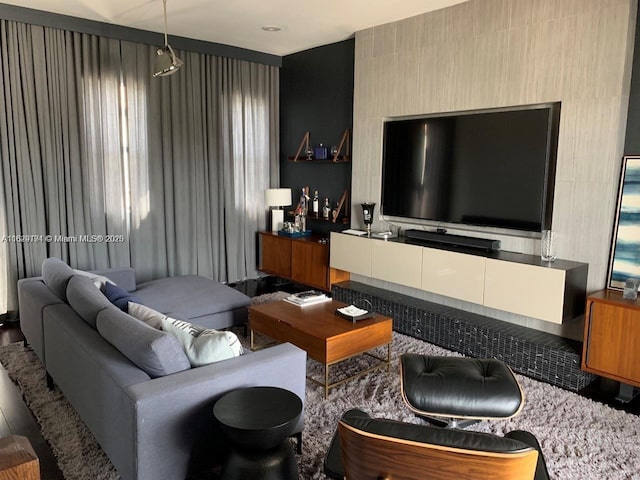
257	421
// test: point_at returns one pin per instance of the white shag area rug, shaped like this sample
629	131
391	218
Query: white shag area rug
581	439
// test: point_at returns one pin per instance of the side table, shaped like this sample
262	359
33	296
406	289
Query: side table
611	339
257	422
18	461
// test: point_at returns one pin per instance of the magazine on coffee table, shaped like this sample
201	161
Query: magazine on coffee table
309	297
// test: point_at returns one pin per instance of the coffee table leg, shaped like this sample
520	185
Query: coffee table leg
388	357
326	381
251	341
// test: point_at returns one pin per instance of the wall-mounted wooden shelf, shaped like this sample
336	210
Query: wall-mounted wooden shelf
338	157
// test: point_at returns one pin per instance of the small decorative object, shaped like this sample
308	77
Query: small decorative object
336	211
334	151
354	313
547	246
320	152
367	215
624	261
309	153
277	197
631	288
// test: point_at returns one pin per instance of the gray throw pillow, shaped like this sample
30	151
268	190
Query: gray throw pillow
155	352
203	345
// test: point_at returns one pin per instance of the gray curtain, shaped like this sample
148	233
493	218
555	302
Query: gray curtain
90	144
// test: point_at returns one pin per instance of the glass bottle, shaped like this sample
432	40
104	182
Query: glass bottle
303	208
326	210
336	210
316	205
304	205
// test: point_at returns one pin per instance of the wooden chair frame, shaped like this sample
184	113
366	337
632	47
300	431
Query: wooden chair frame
369	456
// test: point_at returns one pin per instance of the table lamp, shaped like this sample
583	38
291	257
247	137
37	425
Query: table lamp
277	197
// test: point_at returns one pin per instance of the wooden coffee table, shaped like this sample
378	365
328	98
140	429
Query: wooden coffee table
327	338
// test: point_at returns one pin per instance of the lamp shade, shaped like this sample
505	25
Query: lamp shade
277	197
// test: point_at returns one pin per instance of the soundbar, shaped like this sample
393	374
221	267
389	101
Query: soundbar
453	240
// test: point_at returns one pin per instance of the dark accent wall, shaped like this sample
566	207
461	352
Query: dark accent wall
632	137
75	24
316	95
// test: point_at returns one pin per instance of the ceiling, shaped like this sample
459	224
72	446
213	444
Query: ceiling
305	23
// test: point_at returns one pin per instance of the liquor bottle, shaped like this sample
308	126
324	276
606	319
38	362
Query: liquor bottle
303	207
304	203
326	210
316	205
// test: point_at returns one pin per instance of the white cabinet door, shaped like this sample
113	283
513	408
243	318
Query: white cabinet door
350	253
396	262
531	290
452	274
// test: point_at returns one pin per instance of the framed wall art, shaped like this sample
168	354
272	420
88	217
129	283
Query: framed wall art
624	262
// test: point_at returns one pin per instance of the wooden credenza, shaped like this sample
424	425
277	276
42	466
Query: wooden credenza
302	260
612	336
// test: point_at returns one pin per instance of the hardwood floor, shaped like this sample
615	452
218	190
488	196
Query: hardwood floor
16	418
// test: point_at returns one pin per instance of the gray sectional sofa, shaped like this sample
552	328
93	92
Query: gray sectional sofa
151	425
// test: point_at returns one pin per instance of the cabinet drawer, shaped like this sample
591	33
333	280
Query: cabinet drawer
454	275
530	290
351	254
396	263
276	255
612	341
309	265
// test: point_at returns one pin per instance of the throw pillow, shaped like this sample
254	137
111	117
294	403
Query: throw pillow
203	345
119	296
100	281
147	315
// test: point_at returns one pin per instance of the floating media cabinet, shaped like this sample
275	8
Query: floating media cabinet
512	282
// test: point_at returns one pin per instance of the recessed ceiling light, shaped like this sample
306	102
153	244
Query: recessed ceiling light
271	28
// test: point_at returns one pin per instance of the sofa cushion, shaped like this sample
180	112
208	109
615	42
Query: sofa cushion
203	345
151	350
98	280
190	296
56	275
86	299
119	296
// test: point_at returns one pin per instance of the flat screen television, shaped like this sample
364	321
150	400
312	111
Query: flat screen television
489	168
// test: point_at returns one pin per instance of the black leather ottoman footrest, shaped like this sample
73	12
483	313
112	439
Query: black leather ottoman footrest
458	387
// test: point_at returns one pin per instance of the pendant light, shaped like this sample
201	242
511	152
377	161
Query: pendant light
166	62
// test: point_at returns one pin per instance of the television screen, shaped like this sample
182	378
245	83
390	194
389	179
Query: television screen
492	168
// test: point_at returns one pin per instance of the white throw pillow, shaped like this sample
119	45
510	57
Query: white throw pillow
203	345
147	315
98	280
